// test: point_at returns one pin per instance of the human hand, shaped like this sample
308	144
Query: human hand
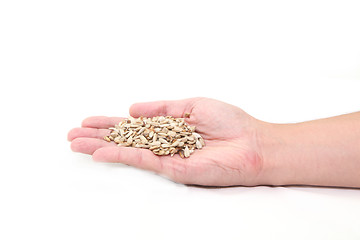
231	155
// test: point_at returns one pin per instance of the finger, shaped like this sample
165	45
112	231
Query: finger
163	108
172	167
101	122
89	145
88	133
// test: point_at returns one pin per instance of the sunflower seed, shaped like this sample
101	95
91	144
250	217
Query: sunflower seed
177	129
151	134
154	137
163	140
198	144
154	147
117	139
171	133
175	144
129	140
186	152
129	134
143	139
141	130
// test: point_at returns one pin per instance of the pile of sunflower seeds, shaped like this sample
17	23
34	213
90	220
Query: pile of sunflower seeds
162	135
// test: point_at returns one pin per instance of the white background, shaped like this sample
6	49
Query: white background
62	61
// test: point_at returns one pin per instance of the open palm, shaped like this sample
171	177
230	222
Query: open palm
231	155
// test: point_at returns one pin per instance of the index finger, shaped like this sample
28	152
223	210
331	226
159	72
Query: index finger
101	122
172	108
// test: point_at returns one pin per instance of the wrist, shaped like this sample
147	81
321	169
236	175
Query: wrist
322	152
280	165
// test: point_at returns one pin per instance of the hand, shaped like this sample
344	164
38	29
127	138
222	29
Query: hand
231	155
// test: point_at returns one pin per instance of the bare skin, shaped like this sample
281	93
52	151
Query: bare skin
240	150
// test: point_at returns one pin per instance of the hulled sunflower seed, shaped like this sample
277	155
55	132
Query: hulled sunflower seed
198	144
186	152
129	140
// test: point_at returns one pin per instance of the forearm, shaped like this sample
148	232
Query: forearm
323	152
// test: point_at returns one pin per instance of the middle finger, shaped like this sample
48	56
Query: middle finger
88	133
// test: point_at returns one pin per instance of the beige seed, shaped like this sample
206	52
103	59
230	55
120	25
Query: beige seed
141	130
117	139
129	134
151	134
186	152
191	138
154	147
143	139
173	150
129	141
163	141
196	135
177	129
113	134
155	124
156	143
175	144
171	133
154	137
164	130
122	133
198	144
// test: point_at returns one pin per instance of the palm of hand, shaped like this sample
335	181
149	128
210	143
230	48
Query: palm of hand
231	155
